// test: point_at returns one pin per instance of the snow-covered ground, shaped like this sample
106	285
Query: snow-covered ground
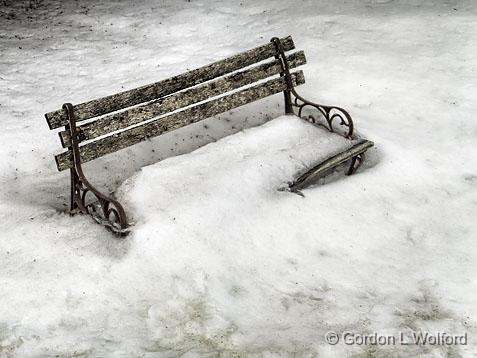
219	262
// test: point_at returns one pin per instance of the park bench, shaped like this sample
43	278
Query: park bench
101	126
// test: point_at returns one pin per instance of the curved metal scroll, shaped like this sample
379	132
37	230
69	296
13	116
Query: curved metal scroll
103	209
332	114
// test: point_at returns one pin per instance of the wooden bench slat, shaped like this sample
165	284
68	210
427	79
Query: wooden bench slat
101	106
177	120
135	115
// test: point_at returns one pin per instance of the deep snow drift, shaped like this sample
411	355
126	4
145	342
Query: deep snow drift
220	262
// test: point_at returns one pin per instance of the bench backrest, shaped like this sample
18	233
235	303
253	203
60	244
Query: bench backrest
126	118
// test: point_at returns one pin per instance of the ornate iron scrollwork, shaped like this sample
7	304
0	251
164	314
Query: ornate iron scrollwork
332	114
102	208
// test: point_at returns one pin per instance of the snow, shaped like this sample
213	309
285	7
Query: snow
219	262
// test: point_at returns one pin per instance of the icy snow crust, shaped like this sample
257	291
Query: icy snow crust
224	263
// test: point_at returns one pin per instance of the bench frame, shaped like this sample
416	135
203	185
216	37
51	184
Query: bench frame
105	210
330	114
110	213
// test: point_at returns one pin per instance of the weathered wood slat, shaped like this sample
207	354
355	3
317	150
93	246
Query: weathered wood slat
313	174
173	121
162	88
135	115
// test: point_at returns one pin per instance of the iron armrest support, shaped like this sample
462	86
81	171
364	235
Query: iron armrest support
296	106
334	116
104	209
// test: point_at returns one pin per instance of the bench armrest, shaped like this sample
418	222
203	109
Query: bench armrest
337	119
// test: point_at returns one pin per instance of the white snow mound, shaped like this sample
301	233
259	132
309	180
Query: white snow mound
216	183
226	242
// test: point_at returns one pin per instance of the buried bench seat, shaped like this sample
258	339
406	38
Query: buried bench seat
96	128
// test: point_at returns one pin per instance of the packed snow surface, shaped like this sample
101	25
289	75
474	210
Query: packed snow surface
220	262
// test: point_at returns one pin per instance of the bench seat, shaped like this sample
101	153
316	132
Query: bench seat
256	161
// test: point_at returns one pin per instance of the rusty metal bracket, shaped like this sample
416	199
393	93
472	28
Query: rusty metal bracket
330	113
105	210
